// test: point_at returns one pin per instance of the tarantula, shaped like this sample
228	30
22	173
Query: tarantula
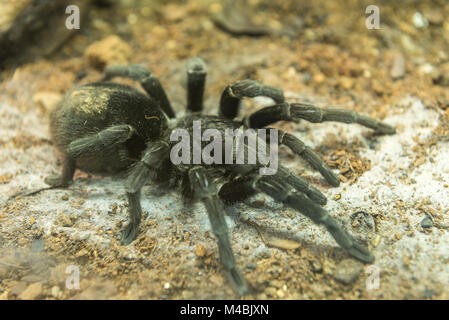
108	128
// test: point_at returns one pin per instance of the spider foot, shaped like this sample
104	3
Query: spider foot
361	253
129	233
238	282
348	242
55	181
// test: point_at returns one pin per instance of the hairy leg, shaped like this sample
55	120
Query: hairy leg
196	79
63	180
281	191
99	141
92	143
296	111
234	93
246	172
54	181
206	190
145	169
147	80
298	147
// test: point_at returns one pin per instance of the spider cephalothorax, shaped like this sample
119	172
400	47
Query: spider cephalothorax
109	128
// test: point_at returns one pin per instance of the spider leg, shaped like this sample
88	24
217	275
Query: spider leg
63	180
147	80
54	181
295	111
293	180
99	141
92	143
234	93
298	147
152	160
281	191
196	79
205	189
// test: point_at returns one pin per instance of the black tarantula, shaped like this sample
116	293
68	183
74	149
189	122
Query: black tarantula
109	128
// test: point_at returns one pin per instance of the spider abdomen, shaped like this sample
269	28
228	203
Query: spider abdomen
88	109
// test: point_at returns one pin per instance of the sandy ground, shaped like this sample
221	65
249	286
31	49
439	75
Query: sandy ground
400	182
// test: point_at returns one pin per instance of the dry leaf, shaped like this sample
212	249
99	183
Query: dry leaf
283	243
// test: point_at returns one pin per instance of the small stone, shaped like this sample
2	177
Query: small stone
426	222
316	266
398	69
376	241
346	83
419	21
427	68
64	220
56	292
37	245
110	50
46	99
280	293
251	266
82	253
348	271
258	203
397	236
271	291
319	78
18	288
33	291
405	260
65	197
200	251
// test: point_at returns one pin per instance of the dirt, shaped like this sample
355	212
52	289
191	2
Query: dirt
318	53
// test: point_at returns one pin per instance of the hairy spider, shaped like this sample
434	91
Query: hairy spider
109	128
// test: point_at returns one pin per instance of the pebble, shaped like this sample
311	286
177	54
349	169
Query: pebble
56	292
405	260
348	271
280	293
271	291
200	251
258	203
33	291
426	222
47	99
107	51
64	220
419	21
251	266
37	245
319	78
398	69
376	240
18	288
316	266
